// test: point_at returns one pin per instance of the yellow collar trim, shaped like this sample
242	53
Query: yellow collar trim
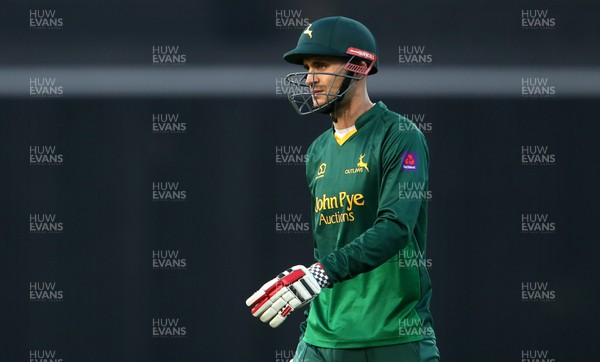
343	140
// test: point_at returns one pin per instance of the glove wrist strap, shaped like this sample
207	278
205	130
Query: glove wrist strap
320	275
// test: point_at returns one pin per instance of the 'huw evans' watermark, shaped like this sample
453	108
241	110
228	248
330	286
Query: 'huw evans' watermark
537	20
414	55
168	328
284	355
167	123
45	156
45	224
414	327
45	87
44	355
45	292
537	224
537	156
45	20
536	356
291	223
537	87
290	19
168	260
168	191
537	292
167	55
418	123
290	156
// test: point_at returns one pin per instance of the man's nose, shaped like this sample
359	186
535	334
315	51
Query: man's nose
311	78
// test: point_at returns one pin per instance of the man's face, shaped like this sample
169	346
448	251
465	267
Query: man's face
321	84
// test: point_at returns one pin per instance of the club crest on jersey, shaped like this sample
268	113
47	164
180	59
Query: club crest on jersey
321	170
409	161
361	166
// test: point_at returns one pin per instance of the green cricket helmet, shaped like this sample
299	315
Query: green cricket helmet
338	37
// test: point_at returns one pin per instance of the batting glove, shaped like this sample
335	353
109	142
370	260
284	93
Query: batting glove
292	289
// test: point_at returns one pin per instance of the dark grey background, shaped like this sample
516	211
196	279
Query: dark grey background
226	162
467	32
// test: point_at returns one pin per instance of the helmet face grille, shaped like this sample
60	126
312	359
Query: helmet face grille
302	96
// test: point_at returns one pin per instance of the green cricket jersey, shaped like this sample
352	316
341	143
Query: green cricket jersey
369	203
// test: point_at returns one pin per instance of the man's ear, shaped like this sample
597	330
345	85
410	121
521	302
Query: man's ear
363	63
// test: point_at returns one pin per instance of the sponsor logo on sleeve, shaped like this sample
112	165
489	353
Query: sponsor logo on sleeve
409	161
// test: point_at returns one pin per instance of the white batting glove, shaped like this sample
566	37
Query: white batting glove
292	289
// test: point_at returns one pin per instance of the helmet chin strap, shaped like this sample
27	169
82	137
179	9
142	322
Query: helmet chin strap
331	109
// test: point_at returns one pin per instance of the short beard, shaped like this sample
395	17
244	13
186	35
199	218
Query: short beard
332	107
329	108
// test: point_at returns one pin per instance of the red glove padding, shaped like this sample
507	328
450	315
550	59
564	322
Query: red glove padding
292	289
